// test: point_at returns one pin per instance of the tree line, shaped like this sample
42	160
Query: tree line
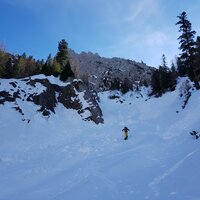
163	79
18	66
187	63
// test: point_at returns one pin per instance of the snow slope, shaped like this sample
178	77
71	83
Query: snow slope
63	157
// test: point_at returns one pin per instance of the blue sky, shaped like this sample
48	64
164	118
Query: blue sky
140	30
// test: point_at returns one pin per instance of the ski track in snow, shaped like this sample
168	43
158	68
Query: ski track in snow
169	172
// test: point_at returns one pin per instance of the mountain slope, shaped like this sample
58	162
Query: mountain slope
64	157
46	93
105	73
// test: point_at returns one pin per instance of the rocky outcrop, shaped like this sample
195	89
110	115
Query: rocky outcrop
46	95
104	73
94	74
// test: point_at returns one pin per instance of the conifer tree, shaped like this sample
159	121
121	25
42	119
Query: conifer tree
63	59
66	73
62	55
39	66
126	86
173	76
197	62
155	83
164	76
9	68
186	40
163	79
115	84
4	58
46	68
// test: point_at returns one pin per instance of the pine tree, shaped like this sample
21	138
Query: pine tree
4	58
115	84
197	62
66	73
163	79
164	62
46	68
155	83
39	66
173	76
9	68
164	75
126	86
186	58
63	60
62	55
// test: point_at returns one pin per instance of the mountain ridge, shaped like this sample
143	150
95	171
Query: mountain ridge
101	73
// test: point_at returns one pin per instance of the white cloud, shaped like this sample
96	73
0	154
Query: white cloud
142	10
147	38
148	46
144	7
130	28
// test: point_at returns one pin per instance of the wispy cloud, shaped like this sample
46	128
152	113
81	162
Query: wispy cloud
148	46
140	30
142	9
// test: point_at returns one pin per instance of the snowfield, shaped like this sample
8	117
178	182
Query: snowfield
65	158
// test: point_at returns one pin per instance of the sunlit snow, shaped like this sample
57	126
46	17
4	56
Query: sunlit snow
66	158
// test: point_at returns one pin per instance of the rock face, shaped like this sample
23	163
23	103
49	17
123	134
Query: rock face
94	74
104	73
46	95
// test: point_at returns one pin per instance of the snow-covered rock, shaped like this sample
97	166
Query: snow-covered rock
46	93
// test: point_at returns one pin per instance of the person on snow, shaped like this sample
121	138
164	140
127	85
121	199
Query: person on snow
195	134
125	129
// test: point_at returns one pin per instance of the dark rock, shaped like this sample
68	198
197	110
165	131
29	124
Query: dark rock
68	97
19	110
30	82
16	95
14	84
5	96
